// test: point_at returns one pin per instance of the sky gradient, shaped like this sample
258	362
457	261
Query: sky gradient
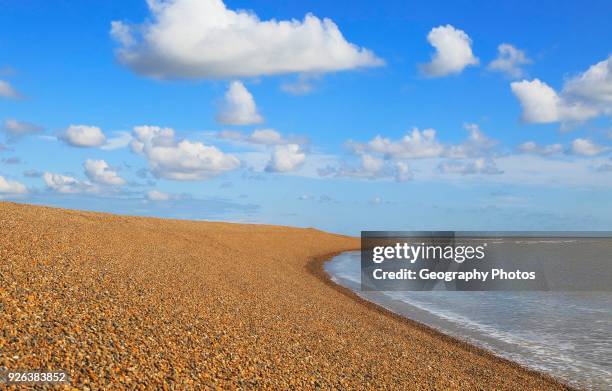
391	116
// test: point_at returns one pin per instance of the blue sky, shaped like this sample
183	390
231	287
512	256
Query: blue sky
395	115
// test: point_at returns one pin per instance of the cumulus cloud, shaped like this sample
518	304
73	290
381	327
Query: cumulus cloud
204	39
265	137
8	91
371	164
83	136
593	87
15	129
542	104
476	145
371	167
402	172
453	52
182	160
98	171
121	140
156	195
8	187
532	147
509	61
382	157
414	145
238	107
285	153
286	158
585	96
483	166
66	184
586	147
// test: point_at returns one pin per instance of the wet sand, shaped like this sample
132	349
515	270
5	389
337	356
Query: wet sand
122	301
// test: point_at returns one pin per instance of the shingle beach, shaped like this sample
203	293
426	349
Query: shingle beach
144	303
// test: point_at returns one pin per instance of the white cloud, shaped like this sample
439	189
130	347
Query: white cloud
238	107
533	148
83	136
586	147
403	172
414	145
286	158
230	135
98	171
539	101
264	137
371	164
585	96
509	60
11	187
478	166
8	91
592	88
66	184
453	52
542	104
476	145
371	167
205	39
156	195
121	140
151	135
179	160
382	157
16	129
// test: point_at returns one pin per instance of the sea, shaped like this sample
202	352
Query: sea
567	335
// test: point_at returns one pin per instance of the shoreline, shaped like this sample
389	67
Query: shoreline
127	302
316	267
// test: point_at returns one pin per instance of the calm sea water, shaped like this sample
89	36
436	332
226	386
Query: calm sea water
565	334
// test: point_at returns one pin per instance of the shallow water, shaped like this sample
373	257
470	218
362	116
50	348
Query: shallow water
565	334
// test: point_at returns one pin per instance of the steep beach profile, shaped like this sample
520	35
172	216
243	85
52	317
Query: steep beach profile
121	301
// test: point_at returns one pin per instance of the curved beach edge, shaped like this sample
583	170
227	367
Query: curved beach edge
315	266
